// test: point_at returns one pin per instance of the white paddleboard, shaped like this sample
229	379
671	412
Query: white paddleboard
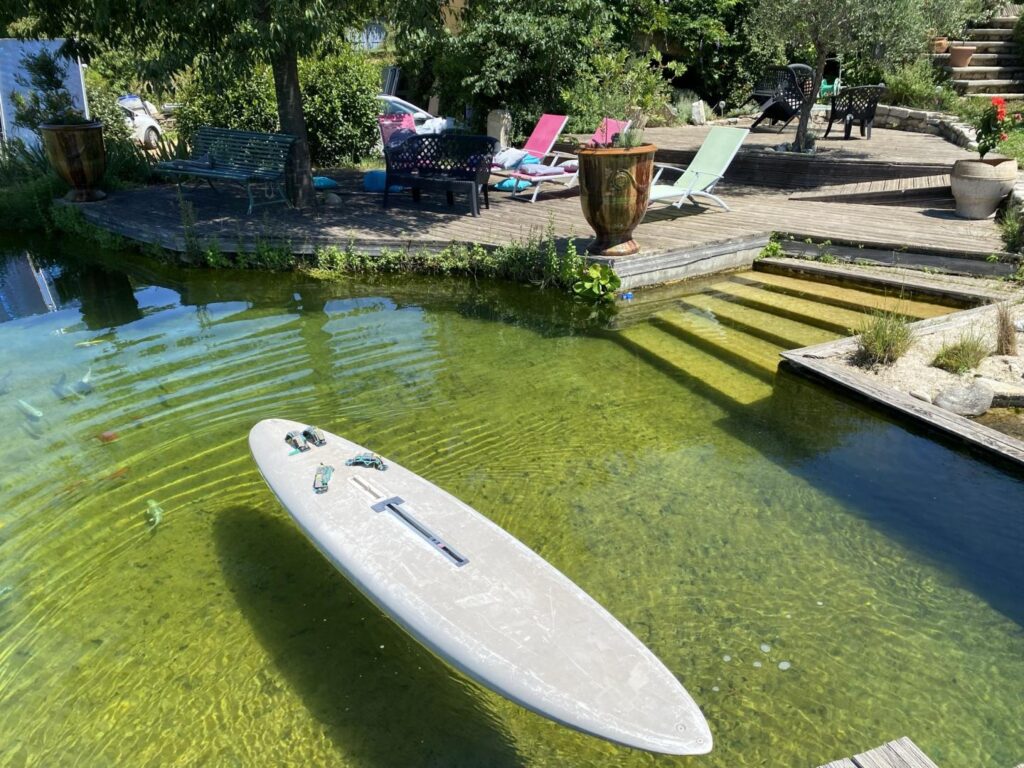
478	597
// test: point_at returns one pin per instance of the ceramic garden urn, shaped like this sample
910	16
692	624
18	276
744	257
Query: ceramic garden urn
77	153
979	186
615	183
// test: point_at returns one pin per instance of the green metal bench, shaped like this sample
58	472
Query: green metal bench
240	157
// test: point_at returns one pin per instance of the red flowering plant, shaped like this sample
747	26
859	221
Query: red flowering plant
994	125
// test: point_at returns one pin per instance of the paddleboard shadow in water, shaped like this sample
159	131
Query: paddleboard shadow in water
393	706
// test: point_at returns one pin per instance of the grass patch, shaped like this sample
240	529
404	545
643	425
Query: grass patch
964	354
884	339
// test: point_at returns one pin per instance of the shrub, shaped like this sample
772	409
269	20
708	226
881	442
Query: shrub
1006	333
884	339
918	85
339	95
27	187
962	355
1011	228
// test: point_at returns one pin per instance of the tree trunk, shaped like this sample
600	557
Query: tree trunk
800	143
285	64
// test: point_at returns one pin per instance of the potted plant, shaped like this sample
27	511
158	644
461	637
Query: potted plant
980	185
615	182
73	143
960	54
939	43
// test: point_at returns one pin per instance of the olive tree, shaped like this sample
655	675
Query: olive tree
884	31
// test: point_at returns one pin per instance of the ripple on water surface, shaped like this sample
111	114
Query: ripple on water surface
810	611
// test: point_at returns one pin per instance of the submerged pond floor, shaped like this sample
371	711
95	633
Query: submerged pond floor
820	579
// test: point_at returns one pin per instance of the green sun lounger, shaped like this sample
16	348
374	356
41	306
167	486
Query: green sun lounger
699	178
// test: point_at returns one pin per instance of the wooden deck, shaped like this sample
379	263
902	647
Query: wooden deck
902	753
863	215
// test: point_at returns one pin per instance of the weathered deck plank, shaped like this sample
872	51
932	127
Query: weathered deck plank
902	753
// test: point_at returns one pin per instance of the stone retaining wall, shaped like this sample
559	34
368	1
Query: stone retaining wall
949	127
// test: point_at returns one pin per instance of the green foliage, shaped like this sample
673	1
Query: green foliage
1011	228
339	92
338	89
243	100
597	282
917	85
964	354
103	107
620	85
536	260
47	100
884	338
27	187
68	220
510	54
771	251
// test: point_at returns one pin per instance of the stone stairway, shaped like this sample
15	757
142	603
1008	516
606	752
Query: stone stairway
996	68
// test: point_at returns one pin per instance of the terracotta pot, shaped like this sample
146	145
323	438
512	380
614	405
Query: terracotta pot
940	44
960	55
614	187
980	185
77	153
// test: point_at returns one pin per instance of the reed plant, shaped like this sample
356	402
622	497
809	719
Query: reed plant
1006	333
884	338
964	354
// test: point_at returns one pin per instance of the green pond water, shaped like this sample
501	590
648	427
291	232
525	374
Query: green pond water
820	579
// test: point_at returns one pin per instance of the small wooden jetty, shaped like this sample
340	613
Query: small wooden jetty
902	753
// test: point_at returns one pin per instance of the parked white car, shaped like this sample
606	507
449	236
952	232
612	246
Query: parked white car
392	105
140	115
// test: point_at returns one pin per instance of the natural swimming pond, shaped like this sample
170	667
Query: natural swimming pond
821	579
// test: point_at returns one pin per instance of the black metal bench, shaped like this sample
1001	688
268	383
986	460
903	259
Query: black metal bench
855	104
240	157
780	95
452	162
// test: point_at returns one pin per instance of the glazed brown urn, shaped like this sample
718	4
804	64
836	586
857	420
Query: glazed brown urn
77	153
614	186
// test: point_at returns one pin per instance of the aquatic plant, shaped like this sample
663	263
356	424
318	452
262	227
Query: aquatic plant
884	338
597	282
964	354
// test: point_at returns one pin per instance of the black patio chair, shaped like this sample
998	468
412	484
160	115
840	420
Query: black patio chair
855	104
780	96
804	77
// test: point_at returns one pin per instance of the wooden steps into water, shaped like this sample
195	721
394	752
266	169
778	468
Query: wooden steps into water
890	299
806	311
704	372
783	331
902	753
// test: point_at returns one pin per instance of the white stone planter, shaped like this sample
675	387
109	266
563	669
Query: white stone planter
980	185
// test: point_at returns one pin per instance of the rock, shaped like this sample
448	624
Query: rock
898	112
697	113
1005	394
921	395
1008	368
972	400
332	200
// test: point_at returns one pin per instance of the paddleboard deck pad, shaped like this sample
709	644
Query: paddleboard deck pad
476	596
